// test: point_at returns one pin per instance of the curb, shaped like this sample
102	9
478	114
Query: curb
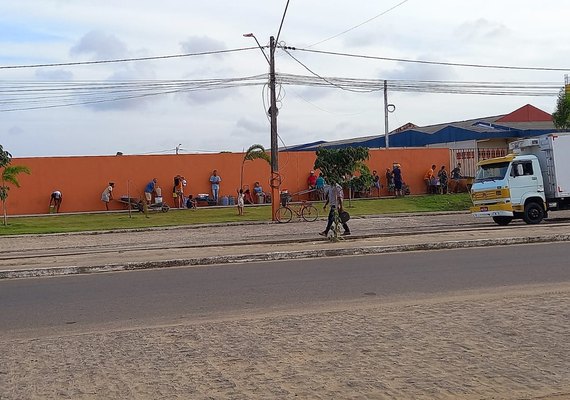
277	256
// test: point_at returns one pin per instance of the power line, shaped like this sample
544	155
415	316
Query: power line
282	20
509	67
359	25
547	89
29	95
121	60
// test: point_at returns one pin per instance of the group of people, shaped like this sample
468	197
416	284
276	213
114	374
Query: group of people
439	183
316	186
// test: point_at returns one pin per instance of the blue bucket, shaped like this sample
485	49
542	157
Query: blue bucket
232	200
225	201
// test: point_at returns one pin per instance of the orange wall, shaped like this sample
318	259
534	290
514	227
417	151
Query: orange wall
83	179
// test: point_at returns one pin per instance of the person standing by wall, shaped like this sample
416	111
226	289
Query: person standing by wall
456	177
397	176
320	185
55	200
428	179
334	197
149	190
215	180
376	182
108	195
389	180
312	184
443	179
178	191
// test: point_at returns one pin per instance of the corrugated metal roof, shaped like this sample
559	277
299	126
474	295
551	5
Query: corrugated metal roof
458	131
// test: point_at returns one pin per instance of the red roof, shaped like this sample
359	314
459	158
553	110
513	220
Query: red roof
526	113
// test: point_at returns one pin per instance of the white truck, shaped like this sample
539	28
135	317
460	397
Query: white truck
528	183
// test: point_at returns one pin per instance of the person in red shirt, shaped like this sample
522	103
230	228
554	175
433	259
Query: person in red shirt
312	183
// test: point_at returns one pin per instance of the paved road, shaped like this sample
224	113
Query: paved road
81	303
424	325
285	331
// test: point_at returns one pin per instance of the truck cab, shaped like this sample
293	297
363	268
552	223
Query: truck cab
529	182
509	187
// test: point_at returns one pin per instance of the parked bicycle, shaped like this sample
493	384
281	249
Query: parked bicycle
305	210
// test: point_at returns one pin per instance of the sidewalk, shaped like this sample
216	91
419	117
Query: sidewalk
61	254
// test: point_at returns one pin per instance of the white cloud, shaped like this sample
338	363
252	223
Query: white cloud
199	44
100	45
508	32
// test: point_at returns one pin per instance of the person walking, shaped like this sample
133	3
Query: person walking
215	180
107	195
334	197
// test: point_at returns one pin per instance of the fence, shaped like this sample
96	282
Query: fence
470	157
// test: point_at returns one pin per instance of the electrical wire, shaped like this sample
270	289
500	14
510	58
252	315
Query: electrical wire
404	60
30	95
359	25
121	60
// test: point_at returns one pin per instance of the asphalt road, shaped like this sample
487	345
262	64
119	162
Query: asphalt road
45	306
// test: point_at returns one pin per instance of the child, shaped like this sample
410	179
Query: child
240	202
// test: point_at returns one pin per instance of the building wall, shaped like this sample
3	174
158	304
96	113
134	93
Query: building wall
83	179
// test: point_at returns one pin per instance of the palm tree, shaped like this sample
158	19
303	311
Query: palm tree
254	152
10	175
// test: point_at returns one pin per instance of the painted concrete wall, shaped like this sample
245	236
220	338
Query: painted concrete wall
83	179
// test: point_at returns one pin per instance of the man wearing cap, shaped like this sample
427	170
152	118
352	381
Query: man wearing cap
107	195
312	183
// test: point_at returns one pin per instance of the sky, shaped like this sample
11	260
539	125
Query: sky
159	119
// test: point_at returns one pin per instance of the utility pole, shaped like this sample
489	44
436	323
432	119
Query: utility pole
275	177
386	134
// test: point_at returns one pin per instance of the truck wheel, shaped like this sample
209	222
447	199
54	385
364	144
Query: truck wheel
533	213
503	221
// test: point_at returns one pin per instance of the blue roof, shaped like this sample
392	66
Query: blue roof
475	129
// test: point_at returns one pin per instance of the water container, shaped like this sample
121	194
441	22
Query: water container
225	201
232	200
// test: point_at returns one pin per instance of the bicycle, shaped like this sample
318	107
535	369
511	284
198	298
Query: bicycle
306	211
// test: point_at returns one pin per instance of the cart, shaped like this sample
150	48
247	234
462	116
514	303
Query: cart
137	204
130	202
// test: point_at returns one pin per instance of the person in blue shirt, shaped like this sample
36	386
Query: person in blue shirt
215	180
320	186
258	190
149	190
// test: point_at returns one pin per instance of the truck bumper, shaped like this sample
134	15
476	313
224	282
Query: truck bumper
492	210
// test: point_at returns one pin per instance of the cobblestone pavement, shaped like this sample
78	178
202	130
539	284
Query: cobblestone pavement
497	345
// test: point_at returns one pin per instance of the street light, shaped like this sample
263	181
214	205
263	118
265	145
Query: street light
251	35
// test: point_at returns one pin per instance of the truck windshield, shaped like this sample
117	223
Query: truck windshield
491	172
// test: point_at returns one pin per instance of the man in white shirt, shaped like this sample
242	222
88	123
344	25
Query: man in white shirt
334	197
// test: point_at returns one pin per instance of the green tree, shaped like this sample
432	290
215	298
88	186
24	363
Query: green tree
5	157
9	175
338	166
255	152
561	117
